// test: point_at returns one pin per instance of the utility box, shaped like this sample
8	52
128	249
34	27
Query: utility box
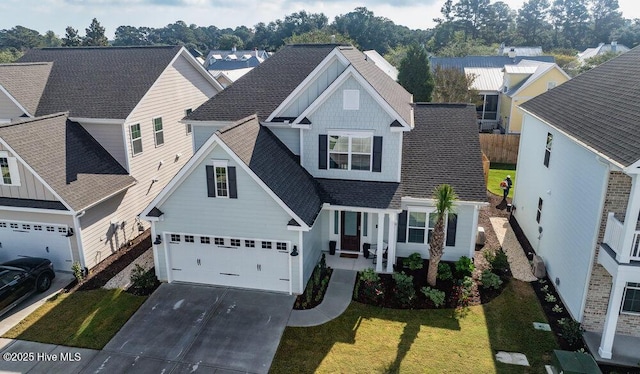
538	269
480	237
565	362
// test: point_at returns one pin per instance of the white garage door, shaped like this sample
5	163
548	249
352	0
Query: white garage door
33	239
246	263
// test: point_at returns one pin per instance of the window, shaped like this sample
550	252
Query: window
26	227
4	168
539	212
487	107
62	230
266	245
547	150
136	138
189	239
250	243
188	125
418	228
50	229
365	224
15	226
631	301
281	246
205	240
350	152
222	182
235	242
3	224
218	241
158	132
175	238
351	99
336	221
9	170
551	85
37	227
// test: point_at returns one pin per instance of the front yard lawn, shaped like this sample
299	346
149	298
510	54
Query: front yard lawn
368	339
87	319
497	173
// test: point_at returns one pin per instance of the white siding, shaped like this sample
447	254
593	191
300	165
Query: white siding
290	137
370	116
30	187
314	242
111	137
201	134
572	190
8	109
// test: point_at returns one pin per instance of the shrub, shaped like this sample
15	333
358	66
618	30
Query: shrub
500	263
142	279
436	296
413	262
369	287
405	292
550	298
489	256
369	275
464	290
490	280
464	267
545	288
557	309
77	270
323	263
570	330
444	271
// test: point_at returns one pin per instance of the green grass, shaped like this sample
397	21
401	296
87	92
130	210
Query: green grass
87	319
368	339
497	173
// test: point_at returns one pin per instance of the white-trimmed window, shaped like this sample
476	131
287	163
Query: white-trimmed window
218	241
419	229
281	246
205	240
351	99
250	243
547	149
189	239
631	301
222	178
539	211
235	242
188	125
266	245
350	151
175	238
136	138
9	170
158	131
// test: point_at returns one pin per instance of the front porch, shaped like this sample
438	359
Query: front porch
624	352
359	263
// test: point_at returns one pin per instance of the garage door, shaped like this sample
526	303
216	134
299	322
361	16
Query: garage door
246	263
33	239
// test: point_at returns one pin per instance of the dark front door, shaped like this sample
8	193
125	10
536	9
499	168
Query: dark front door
350	231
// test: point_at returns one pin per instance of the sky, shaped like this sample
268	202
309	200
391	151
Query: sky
56	15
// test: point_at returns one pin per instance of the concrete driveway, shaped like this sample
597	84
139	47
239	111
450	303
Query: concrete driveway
191	328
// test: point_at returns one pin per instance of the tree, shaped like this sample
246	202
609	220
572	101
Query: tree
606	19
95	35
71	37
629	34
594	61
460	47
130	35
9	55
471	14
51	39
444	197
319	37
532	21
229	41
414	74
20	38
452	85
498	23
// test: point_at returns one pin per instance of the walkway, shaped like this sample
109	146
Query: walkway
518	261
335	302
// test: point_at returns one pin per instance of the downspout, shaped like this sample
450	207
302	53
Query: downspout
76	224
301	251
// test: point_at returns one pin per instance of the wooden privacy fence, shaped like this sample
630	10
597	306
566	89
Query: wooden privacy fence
501	148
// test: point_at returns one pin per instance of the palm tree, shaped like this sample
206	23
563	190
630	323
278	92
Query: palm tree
444	197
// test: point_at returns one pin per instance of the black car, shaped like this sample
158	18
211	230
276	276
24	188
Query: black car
20	278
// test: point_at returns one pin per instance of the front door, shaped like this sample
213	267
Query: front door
350	231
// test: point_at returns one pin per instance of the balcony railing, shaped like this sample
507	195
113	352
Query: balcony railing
614	237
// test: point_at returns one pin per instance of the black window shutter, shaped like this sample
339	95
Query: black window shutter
211	181
452	226
322	152
233	184
402	227
377	154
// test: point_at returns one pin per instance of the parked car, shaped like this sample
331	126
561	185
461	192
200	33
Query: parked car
21	278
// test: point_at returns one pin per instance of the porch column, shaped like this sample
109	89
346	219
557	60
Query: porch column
393	233
380	242
630	221
611	319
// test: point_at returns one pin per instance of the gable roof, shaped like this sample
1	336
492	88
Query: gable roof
483	61
599	108
99	82
67	158
25	82
261	90
601	49
486	79
275	165
383	64
443	147
537	69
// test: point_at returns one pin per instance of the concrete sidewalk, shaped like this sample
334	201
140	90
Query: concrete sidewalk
335	302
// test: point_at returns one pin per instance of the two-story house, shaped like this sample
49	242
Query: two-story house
88	136
578	197
316	147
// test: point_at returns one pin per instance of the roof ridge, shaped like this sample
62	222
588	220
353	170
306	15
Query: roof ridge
12	64
237	123
34	119
109	47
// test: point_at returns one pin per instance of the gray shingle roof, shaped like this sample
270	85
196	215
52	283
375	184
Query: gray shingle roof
68	159
261	90
30	203
275	165
443	147
392	92
483	61
367	194
25	82
99	82
600	107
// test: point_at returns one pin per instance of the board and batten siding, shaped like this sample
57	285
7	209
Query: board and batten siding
572	189
179	88
465	231
253	215
315	89
30	187
110	137
370	117
8	109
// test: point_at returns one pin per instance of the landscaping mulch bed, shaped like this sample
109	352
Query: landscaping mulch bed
316	287
148	287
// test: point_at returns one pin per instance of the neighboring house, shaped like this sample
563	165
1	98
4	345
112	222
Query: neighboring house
90	135
602	48
577	198
227	77
234	59
383	64
315	147
519	51
503	83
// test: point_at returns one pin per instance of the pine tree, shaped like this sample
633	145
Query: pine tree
415	75
95	35
71	38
